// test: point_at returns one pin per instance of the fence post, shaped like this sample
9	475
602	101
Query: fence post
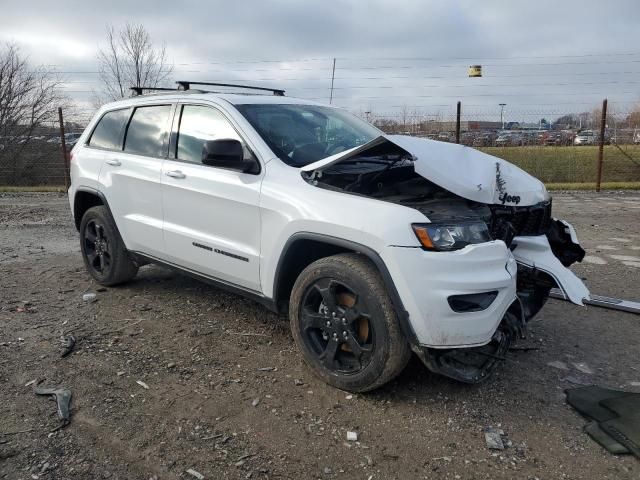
458	122
65	158
603	125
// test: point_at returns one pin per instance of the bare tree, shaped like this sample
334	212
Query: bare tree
28	100
130	59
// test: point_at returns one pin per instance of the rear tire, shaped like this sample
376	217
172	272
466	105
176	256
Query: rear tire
103	251
344	323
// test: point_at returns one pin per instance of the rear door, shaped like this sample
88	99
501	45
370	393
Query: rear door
211	215
130	178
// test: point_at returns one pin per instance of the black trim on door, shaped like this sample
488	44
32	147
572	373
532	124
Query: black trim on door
216	282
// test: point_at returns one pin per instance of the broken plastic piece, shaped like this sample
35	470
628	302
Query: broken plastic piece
63	400
69	344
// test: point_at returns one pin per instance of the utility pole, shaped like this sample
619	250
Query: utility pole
603	126
502	105
63	145
458	109
333	76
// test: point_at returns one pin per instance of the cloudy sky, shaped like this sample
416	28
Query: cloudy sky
541	58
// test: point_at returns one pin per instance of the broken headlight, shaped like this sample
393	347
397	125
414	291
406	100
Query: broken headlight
442	237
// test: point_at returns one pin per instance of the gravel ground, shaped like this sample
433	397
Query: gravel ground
229	397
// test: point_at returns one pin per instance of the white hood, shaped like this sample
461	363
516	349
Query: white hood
465	171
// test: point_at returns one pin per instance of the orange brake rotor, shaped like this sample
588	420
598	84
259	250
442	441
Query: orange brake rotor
349	300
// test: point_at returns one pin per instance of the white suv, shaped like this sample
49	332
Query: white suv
376	245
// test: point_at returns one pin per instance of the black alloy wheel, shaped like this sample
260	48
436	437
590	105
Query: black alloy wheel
335	326
97	247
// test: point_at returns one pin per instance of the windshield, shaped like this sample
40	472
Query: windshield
302	134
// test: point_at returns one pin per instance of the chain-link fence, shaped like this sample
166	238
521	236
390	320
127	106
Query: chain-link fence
556	147
36	159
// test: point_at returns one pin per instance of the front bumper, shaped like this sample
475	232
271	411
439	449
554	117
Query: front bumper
426	280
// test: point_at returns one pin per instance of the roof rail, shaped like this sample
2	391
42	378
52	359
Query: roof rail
138	90
186	85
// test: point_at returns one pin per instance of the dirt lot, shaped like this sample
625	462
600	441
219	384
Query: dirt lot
229	397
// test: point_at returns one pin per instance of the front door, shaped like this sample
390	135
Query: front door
211	215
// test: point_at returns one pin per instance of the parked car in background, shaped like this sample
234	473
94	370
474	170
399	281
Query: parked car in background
467	138
636	137
585	137
446	137
70	139
510	140
553	138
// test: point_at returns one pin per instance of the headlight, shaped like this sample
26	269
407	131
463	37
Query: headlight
450	237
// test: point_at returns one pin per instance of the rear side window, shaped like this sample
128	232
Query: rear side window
108	132
147	130
199	124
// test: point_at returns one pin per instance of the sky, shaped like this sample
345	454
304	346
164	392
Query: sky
542	58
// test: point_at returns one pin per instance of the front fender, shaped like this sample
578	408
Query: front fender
536	252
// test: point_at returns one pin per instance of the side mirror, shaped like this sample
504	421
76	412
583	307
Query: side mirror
227	153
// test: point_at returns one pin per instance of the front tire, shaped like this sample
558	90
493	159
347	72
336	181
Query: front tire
103	251
343	322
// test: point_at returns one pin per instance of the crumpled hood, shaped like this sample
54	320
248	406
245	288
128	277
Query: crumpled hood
462	170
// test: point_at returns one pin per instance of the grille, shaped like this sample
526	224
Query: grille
526	221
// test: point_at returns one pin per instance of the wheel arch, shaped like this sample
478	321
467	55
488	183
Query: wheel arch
304	248
84	199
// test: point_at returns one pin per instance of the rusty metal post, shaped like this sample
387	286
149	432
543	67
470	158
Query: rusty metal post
65	157
603	125
458	122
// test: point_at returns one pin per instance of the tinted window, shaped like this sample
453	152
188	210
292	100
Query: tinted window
108	132
146	132
302	134
199	124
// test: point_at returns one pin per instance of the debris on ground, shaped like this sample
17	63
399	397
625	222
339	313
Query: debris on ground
255	402
63	401
613	414
29	383
496	439
352	436
89	297
68	343
142	384
195	474
583	367
559	365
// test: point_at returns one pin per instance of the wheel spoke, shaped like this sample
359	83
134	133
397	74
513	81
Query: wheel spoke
102	263
311	319
89	235
99	232
356	348
353	313
328	357
325	288
91	256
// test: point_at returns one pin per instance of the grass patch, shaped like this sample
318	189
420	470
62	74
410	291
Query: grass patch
573	164
37	188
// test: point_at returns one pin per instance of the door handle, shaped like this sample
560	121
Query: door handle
115	163
175	174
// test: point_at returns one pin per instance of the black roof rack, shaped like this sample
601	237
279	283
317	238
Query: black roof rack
186	85
138	90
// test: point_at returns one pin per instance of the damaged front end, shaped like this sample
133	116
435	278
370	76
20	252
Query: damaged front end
455	185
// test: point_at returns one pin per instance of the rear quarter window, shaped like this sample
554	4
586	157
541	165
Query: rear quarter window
147	130
109	130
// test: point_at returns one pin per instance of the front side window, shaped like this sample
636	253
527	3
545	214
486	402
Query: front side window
147	130
302	134
108	132
199	124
